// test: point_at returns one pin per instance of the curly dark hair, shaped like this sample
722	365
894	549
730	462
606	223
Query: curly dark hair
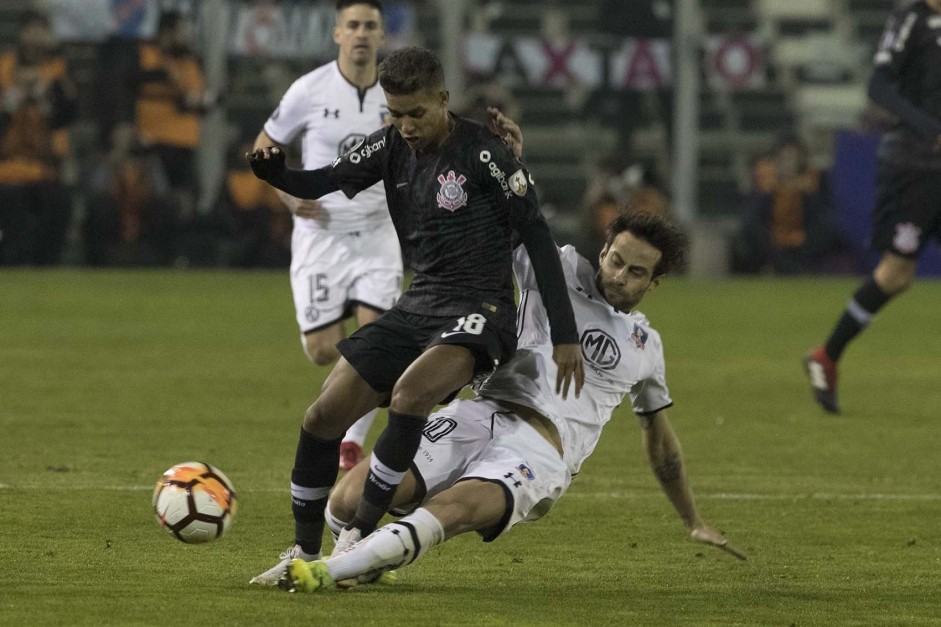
342	4
658	232
410	69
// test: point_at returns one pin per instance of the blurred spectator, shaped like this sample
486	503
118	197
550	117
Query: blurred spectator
38	103
787	221
628	110
255	225
480	96
636	18
131	216
614	186
171	98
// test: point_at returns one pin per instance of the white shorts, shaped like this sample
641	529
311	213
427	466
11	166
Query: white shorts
330	272
479	439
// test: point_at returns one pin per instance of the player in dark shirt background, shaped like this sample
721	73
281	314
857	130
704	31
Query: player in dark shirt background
906	80
457	197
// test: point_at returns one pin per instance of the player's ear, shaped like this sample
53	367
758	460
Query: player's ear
602	254
445	97
336	34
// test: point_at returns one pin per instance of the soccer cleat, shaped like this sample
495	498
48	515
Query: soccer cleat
350	454
272	576
346	540
301	576
821	371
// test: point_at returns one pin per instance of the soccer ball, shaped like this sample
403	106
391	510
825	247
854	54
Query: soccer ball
195	502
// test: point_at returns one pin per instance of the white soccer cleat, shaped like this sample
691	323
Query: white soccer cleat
271	576
348	539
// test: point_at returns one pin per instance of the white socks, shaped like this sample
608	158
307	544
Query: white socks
391	546
333	523
360	429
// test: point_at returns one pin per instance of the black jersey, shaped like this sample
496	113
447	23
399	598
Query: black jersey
907	81
454	211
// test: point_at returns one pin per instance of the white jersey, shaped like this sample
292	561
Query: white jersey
623	356
332	116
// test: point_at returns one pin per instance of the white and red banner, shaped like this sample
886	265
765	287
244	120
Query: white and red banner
734	62
730	62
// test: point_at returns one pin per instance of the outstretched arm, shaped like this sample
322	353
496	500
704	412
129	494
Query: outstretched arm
268	164
304	208
550	278
666	460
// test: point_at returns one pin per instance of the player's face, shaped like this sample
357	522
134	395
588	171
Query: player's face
359	33
420	117
625	271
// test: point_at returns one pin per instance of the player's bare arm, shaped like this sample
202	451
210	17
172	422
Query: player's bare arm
665	455
568	358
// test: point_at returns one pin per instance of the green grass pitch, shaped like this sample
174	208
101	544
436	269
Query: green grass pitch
108	378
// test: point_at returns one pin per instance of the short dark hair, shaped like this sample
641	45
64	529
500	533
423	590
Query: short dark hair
658	232
410	69
342	4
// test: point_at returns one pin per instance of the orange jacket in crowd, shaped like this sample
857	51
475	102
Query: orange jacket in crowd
31	145
168	82
788	211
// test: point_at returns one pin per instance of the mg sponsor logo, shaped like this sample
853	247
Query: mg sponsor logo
600	349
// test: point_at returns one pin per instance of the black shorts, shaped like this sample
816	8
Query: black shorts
908	209
382	350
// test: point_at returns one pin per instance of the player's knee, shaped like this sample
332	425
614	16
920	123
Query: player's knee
893	280
321	353
343	502
414	398
322	424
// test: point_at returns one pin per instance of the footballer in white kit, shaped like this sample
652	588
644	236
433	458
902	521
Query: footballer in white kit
349	254
508	455
623	356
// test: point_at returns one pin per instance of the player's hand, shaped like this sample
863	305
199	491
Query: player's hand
266	163
301	207
707	535
508	130
568	357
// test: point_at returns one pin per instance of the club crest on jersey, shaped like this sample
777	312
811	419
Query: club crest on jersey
639	336
526	471
907	238
452	196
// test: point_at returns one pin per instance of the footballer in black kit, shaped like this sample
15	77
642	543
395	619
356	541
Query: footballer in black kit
458	199
906	81
456	211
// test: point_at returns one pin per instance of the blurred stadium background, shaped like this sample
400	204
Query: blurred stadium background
109	377
669	104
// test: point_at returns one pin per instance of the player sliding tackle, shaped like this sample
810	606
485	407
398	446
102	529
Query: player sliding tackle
504	458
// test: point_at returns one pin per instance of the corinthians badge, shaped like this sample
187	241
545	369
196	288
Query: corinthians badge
452	196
